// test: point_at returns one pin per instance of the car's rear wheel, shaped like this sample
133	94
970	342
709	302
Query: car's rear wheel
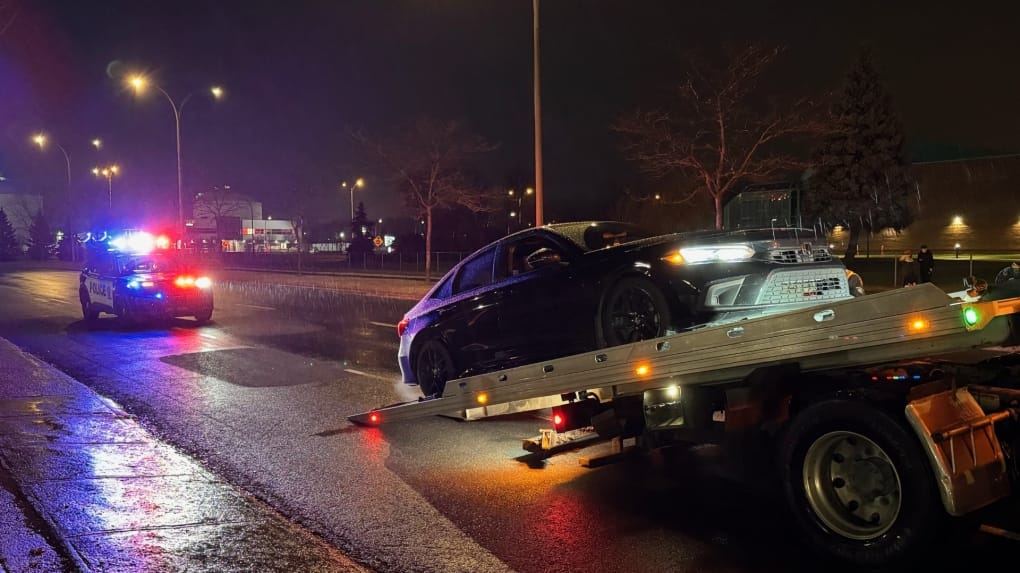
204	316
433	367
633	310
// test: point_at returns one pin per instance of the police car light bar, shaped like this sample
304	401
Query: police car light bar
134	242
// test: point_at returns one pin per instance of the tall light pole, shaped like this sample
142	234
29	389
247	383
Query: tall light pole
107	172
359	182
41	140
139	83
539	216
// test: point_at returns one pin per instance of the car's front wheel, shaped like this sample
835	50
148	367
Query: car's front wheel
433	367
204	316
634	309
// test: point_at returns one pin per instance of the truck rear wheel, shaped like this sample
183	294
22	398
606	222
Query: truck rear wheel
859	484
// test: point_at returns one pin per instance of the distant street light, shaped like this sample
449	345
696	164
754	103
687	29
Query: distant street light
97	143
517	199
359	182
41	140
139	84
107	172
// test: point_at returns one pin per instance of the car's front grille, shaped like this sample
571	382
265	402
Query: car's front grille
803	286
794	256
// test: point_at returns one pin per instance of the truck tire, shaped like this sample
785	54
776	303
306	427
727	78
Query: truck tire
633	310
433	367
859	484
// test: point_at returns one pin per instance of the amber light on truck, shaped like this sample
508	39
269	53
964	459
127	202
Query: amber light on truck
401	327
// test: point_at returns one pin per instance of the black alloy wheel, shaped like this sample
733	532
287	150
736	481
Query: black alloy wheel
634	310
433	367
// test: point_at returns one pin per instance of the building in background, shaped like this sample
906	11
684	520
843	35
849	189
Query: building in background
970	204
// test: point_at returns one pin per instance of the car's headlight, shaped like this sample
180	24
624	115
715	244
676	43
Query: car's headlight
722	253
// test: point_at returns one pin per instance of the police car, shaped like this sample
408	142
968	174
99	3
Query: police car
135	276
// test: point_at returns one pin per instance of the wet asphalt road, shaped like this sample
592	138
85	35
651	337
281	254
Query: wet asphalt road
261	396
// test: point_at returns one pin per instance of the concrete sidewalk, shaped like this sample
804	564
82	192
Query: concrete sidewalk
84	487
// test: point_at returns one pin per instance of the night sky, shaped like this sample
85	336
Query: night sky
299	73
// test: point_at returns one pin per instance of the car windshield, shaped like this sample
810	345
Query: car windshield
602	234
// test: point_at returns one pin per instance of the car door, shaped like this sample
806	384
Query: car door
469	322
542	309
99	279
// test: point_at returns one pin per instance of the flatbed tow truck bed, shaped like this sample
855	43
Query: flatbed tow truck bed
873	411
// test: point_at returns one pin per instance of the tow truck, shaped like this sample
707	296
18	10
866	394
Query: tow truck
886	420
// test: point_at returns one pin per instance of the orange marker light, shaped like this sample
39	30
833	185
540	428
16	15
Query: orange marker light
919	324
643	370
483	399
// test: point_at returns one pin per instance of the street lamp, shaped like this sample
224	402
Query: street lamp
107	172
139	84
41	140
359	182
97	143
518	200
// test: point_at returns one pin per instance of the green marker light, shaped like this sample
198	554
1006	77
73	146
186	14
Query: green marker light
970	316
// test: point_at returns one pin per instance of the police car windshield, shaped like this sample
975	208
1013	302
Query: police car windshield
145	264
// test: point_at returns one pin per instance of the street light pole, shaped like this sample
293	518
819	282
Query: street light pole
139	83
40	140
359	182
107	172
538	124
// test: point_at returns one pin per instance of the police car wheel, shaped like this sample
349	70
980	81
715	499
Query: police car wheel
204	316
90	314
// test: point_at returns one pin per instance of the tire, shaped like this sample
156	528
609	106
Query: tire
204	316
433	367
859	484
634	309
88	312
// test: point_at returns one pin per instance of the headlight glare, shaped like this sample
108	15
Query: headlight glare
724	253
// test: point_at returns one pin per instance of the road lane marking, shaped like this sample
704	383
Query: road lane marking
255	306
367	375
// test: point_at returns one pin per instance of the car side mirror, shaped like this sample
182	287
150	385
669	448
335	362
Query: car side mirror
542	258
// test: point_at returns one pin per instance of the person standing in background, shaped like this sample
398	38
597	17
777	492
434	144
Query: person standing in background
926	262
907	267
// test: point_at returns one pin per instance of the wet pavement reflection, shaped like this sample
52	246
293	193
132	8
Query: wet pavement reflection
117	499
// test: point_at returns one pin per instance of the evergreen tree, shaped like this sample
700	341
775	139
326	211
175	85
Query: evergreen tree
361	232
10	248
40	237
862	180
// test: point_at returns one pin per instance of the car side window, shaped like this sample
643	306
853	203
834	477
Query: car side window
444	289
517	253
476	272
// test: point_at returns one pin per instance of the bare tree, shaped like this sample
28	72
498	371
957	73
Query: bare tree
716	138
428	161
